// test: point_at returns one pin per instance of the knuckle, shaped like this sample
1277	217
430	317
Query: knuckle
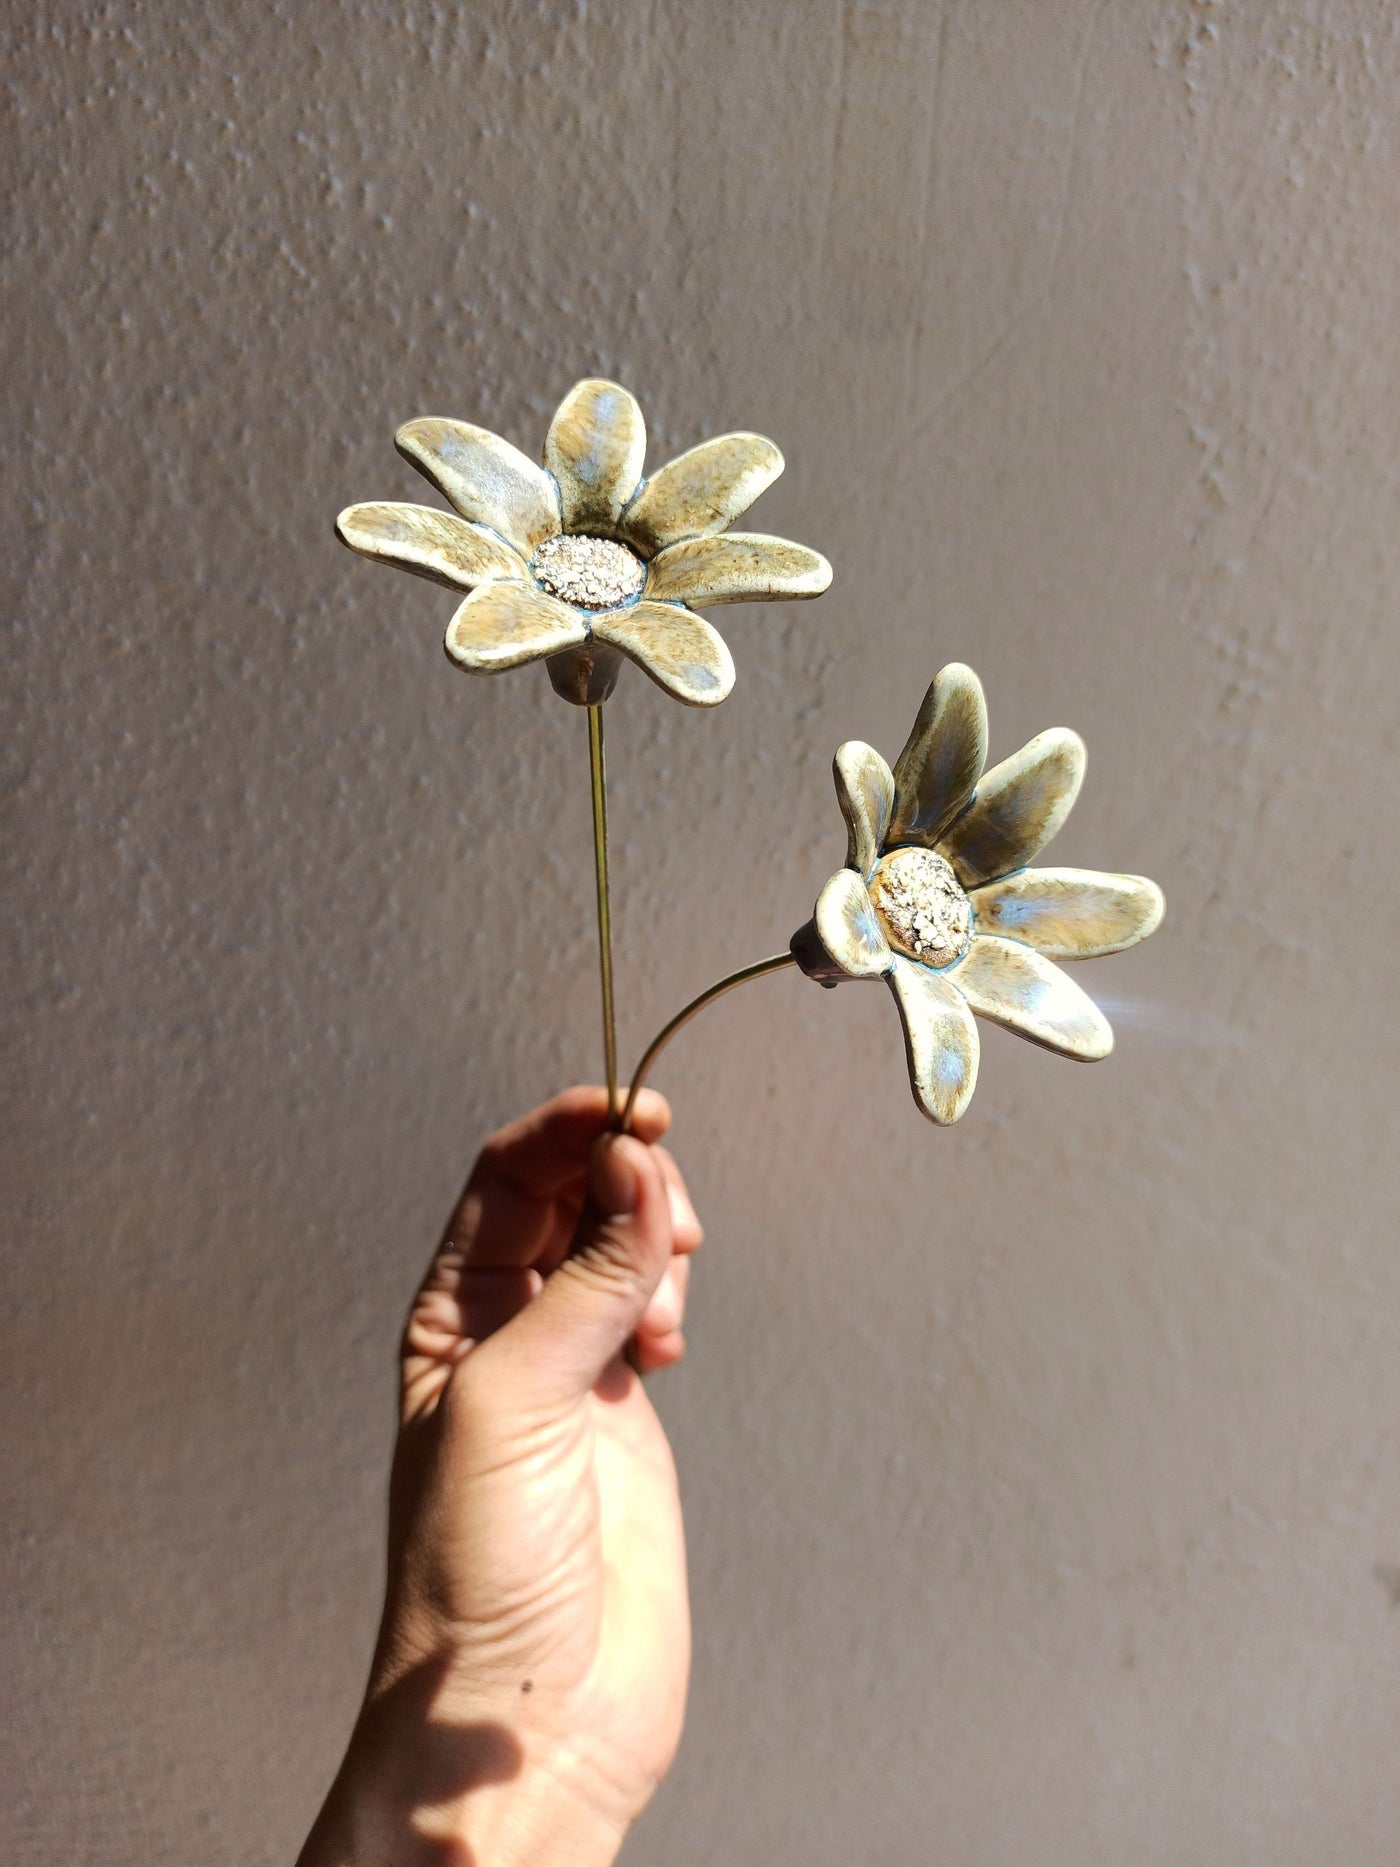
606	1266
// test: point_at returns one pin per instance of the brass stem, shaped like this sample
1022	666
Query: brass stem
599	785
707	997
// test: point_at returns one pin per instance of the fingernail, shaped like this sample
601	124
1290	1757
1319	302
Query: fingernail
613	1177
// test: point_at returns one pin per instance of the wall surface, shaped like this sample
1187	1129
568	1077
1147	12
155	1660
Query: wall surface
1043	1474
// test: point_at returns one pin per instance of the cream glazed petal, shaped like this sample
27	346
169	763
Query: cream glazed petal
680	652
486	479
701	491
849	928
504	624
740	567
865	792
1015	986
595	449
940	1040
937	772
432	544
1069	913
1019	806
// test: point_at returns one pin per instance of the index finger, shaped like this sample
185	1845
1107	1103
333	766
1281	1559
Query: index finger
548	1149
530	1175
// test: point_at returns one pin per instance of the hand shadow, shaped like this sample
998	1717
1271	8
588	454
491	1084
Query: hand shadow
449	1758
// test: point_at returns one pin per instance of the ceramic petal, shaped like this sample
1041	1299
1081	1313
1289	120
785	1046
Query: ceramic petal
937	772
865	792
595	449
849	928
1069	913
940	1040
741	567
487	479
1019	806
681	652
430	543
1018	987
504	624
701	491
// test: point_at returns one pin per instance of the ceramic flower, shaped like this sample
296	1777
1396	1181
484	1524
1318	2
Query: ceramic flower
581	562
935	897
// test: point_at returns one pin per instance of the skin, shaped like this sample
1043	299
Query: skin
529	1682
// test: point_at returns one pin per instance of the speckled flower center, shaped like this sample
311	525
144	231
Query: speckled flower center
922	906
590	573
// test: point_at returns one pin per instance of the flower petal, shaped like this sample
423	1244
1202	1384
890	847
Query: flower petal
1069	913
865	792
741	567
701	491
940	1040
486	478
1019	806
937	772
849	928
595	449
1018	987
504	624
430	543
681	652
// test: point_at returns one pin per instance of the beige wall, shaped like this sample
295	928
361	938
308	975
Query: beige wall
1042	1474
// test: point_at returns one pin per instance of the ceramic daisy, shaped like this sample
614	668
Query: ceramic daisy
936	898
581	562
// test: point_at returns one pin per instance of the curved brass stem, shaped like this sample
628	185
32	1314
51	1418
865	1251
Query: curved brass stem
668	1031
599	785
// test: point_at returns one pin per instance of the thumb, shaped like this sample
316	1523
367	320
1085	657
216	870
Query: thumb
579	1323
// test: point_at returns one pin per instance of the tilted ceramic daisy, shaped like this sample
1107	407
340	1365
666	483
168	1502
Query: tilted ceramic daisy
581	561
936	898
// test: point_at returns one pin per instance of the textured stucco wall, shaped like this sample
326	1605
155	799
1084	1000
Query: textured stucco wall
1043	1475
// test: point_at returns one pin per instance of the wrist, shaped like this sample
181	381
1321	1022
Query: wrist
516	1824
415	1790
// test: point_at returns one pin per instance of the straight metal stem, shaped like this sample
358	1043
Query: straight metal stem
707	997
599	785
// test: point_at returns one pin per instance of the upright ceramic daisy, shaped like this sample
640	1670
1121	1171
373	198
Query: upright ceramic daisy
582	562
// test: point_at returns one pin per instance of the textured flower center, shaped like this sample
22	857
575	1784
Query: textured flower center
590	573
922	905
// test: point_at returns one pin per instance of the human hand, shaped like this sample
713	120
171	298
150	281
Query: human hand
529	1682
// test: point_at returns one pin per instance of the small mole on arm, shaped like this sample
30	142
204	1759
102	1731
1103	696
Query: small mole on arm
527	1685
